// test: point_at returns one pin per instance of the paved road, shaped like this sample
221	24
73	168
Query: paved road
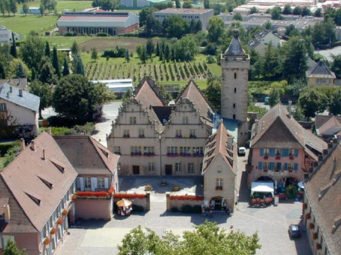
110	112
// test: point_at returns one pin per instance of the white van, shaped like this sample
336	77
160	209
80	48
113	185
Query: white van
241	151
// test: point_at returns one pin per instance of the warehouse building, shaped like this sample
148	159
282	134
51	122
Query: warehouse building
187	14
92	23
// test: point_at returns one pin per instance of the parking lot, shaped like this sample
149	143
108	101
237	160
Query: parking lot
270	223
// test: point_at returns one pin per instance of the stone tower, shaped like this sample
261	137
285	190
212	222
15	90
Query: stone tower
235	64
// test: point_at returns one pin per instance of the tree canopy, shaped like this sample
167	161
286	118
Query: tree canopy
206	239
77	99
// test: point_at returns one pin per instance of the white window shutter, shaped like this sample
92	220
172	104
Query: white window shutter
81	182
93	183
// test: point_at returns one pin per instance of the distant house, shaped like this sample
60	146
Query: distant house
322	206
34	10
320	75
281	150
328	126
19	109
138	4
6	36
92	23
263	40
220	169
20	83
119	87
97	172
187	14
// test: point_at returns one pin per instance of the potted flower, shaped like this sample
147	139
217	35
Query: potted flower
47	241
53	231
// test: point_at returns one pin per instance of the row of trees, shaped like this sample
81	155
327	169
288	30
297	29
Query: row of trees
10	6
184	49
174	26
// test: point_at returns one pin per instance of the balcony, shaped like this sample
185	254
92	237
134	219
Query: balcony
311	225
149	154
172	154
141	136
126	136
315	235
278	156
266	156
185	154
192	136
219	188
178	136
318	246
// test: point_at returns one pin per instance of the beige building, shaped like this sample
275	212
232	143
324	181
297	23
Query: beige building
322	205
220	170
235	65
19	110
154	139
203	15
320	75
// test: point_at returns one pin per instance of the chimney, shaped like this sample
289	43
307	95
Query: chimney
44	155
20	92
33	147
22	144
7	213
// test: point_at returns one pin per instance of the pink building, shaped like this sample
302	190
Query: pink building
281	149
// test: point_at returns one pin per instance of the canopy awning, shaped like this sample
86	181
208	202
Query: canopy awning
262	187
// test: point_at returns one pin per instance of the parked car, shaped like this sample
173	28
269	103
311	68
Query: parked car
294	231
241	151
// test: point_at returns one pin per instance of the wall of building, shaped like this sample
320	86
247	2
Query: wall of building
314	81
175	204
234	91
278	176
94	208
21	115
219	169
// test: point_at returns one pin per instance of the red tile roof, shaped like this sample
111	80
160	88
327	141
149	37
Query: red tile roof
28	179
147	94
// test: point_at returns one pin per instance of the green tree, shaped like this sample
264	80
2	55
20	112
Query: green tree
2	71
25	8
323	34
187	4
238	16
287	10
55	61
274	96
335	103
215	29
150	47
44	91
175	26
127	56
2	8
177	4
47	51
306	11
20	72
207	238
297	11
66	70
318	12
207	4
12	6
337	17
77	99
253	10
213	92
94	54
312	101
295	59
32	51
271	68
185	49
46	72
48	4
75	48
77	65
276	13
12	249
13	49
336	66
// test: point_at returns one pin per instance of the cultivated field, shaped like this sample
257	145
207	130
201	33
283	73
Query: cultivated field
162	72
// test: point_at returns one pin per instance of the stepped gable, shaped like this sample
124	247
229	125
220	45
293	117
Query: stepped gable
323	192
279	115
220	143
36	181
87	155
193	93
148	94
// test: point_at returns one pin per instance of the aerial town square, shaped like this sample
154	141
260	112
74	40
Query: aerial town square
170	127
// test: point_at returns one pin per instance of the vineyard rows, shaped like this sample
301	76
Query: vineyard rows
158	72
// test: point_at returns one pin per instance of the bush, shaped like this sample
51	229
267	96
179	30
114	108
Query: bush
102	34
4	147
11	154
210	59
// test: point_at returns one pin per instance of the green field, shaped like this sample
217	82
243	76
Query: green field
23	25
63	5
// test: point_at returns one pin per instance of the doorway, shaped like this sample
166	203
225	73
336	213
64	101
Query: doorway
168	169
136	170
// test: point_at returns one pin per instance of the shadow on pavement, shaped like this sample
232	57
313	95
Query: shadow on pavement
89	224
302	244
198	218
244	193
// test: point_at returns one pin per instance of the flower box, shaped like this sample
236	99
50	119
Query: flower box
93	194
65	212
53	231
187	197
291	157
308	216
129	196
74	197
311	225
60	221
315	235
47	241
278	157
318	246
266	156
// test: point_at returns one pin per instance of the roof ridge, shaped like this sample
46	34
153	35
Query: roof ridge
93	141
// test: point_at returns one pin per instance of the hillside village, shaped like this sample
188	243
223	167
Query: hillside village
170	116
